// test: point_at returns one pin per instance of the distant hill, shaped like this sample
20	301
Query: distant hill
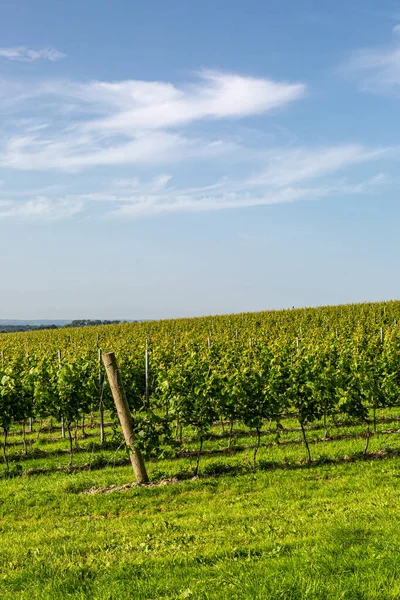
13	325
33	322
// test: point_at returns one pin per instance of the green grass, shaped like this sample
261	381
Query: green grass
287	530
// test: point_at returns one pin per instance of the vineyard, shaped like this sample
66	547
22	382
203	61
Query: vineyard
252	426
182	377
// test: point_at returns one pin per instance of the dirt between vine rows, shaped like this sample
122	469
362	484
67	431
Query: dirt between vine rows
379	454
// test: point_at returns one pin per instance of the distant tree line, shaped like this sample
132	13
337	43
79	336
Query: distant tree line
90	323
75	323
14	328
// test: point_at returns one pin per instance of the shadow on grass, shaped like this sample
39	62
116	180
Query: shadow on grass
57	428
30	441
217	469
98	460
240	448
39	453
318	426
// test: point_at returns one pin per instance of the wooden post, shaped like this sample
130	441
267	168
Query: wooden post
124	414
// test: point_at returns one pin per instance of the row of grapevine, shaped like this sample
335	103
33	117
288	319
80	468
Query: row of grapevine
247	368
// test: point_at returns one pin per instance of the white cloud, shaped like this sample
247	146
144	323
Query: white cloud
24	54
153	105
158	183
376	69
134	126
129	122
41	207
297	165
77	152
256	191
149	205
124	198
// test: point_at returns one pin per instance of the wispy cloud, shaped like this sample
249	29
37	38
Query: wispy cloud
24	54
233	195
376	70
157	184
41	207
293	166
70	152
216	95
133	126
131	122
133	198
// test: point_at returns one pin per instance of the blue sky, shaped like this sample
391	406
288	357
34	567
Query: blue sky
181	158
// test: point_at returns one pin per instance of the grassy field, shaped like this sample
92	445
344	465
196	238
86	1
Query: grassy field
287	529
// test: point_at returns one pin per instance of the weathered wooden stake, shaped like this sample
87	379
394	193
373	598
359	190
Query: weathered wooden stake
124	414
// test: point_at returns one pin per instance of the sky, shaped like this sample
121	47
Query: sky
170	159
